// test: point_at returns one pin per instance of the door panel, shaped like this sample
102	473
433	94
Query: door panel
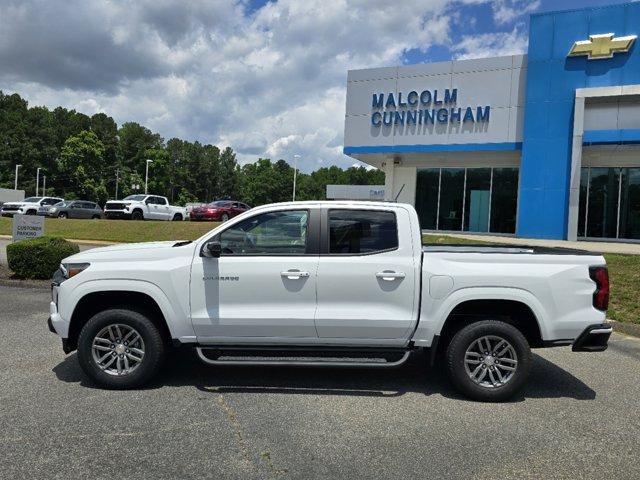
263	286
371	294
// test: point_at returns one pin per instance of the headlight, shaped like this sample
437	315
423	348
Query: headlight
69	270
53	209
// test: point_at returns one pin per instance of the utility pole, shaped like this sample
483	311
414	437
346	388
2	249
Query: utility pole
38	180
16	184
295	174
44	185
146	177
117	180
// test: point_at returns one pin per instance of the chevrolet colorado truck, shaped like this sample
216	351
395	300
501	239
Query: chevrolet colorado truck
342	284
144	207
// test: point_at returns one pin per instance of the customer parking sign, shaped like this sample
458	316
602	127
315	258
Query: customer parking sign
27	226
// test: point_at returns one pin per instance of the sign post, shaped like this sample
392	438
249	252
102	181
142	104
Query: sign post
27	226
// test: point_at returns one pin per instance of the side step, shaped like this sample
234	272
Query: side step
303	358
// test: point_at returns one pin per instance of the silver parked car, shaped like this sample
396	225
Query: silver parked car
72	209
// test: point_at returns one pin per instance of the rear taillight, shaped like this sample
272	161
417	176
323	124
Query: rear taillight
600	275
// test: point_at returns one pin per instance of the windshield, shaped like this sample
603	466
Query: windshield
32	199
136	198
219	203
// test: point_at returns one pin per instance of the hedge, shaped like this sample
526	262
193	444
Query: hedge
38	258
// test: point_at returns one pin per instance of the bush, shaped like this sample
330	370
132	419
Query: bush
40	257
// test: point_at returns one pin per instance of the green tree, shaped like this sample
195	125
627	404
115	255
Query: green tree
81	162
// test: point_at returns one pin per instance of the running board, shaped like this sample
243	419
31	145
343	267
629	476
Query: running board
302	361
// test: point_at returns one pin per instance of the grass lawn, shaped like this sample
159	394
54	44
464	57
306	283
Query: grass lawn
119	230
624	270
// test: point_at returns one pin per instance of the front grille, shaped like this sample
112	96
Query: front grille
9	208
114	206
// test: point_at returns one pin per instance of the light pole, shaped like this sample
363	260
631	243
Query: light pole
117	180
16	184
38	180
146	177
44	185
295	174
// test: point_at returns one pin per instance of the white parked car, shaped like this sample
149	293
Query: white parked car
328	284
29	206
144	207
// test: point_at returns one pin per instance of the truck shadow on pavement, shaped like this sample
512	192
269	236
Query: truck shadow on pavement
547	380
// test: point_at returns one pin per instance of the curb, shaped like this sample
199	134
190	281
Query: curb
632	329
73	240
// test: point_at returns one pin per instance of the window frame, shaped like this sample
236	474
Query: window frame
325	239
313	235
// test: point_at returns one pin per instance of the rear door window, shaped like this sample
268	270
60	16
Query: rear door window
354	232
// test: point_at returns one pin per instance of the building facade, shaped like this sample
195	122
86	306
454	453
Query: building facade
542	145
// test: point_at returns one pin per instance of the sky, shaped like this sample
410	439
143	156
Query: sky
266	78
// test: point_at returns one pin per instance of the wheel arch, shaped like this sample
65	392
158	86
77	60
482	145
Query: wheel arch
467	305
138	296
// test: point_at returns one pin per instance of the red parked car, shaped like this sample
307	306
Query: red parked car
219	211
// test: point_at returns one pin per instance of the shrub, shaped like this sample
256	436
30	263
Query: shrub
38	257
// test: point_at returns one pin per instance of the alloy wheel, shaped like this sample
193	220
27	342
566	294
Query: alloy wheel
118	349
490	361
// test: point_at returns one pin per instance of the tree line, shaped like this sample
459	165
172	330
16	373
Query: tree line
89	157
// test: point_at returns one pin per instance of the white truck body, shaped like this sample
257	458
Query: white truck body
29	206
144	207
401	297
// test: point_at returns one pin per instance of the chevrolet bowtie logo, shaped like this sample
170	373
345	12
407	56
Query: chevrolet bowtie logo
601	46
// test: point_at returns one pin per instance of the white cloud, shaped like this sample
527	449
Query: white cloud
491	44
270	83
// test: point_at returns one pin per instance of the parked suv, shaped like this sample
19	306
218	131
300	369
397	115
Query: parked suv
219	211
29	206
72	209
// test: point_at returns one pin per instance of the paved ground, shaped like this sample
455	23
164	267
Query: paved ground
577	419
600	247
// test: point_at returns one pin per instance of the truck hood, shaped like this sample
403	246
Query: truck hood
146	250
16	204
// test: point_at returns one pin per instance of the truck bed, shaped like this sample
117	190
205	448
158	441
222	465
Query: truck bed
498	248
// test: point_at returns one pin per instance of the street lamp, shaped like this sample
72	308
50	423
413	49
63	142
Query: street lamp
16	184
295	174
146	177
44	185
38	180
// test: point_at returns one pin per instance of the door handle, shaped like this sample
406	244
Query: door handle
294	274
389	276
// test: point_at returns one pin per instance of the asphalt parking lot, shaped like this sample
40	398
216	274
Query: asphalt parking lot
579	417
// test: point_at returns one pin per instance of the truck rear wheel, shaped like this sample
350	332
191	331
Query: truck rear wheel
120	348
488	360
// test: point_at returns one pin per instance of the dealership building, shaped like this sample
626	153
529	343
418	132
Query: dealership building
542	145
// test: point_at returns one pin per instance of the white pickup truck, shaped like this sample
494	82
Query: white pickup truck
28	206
144	207
343	284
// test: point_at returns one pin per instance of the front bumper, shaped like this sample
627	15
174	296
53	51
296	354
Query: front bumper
594	338
117	214
10	213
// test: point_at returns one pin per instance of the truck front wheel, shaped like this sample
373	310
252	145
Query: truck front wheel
137	215
120	348
488	360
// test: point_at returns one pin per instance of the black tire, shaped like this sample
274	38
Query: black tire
137	215
96	217
154	348
455	361
31	212
225	217
63	215
177	217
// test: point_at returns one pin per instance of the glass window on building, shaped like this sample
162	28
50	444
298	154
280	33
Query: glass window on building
504	200
603	202
451	199
428	181
477	200
630	203
472	199
609	203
